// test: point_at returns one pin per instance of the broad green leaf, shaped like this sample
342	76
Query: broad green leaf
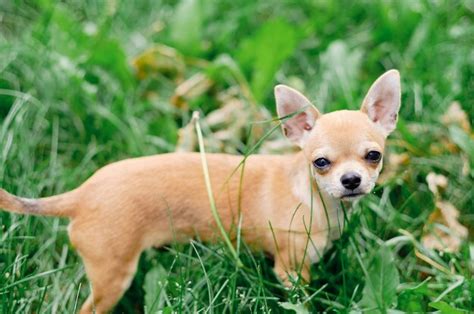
154	285
165	127
340	68
411	296
445	308
167	310
264	52
298	308
67	36
380	290
186	26
109	55
410	301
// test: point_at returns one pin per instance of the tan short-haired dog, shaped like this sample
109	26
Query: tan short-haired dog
135	204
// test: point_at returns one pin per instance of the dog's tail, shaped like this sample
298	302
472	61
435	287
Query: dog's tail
62	205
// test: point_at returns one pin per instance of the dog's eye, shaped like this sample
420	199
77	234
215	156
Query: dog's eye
321	163
373	156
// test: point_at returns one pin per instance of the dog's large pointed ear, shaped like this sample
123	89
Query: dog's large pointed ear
297	113
382	101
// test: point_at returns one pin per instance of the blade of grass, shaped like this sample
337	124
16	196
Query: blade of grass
30	278
207	180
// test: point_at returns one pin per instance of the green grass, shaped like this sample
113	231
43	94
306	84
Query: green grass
71	102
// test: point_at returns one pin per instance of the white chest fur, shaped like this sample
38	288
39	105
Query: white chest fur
326	215
329	224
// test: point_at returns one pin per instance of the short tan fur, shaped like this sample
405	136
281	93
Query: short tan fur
131	205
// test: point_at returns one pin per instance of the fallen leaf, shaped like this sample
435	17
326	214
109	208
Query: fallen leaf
443	231
455	115
381	282
159	59
227	127
187	139
232	111
442	146
279	145
436	181
193	87
393	165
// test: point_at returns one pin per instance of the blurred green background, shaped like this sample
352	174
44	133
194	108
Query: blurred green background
85	83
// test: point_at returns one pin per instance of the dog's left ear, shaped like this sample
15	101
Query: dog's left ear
382	101
297	113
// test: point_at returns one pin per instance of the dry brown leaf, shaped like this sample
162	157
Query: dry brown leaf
159	59
466	168
436	181
232	111
187	138
442	146
188	142
193	87
398	159
280	145
229	124
455	115
443	231
226	127
393	165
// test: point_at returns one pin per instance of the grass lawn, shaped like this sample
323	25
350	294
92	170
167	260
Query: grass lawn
86	83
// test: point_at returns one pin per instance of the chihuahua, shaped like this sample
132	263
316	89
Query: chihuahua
290	206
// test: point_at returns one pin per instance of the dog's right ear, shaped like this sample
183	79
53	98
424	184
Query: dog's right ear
297	113
382	101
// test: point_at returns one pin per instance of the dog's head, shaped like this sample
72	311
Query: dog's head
345	148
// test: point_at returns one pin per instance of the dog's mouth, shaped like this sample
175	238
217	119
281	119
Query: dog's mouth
351	196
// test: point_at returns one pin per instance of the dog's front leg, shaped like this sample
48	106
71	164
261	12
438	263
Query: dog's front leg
291	275
292	265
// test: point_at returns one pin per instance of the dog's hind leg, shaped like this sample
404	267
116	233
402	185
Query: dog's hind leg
109	276
109	280
110	260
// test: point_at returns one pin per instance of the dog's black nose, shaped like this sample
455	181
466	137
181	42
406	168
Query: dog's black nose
351	180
